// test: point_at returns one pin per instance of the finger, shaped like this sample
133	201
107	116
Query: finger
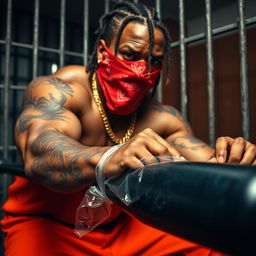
163	159
167	149
131	163
160	148
249	155
221	148
146	157
114	170
237	150
213	160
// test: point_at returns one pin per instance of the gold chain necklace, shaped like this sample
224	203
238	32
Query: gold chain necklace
104	117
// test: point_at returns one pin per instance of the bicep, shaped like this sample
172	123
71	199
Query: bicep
46	108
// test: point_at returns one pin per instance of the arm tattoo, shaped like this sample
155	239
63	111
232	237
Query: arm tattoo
61	86
50	108
57	158
191	143
173	111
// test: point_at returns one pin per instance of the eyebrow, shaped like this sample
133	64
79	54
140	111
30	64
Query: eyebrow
139	51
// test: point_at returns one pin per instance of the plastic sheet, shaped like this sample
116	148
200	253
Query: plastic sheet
95	207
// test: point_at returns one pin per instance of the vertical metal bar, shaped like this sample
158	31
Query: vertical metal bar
160	85
6	91
86	30
183	74
243	71
62	32
106	6
210	73
35	39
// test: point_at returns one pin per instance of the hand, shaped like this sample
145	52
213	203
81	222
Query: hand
235	151
139	151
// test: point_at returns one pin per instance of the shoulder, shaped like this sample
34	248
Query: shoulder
169	118
68	85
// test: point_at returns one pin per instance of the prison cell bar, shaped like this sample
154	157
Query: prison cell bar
6	92
62	33
35	39
159	89
243	71
106	9
210	72
183	72
86	31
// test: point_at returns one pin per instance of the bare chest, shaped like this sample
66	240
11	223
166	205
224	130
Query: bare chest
94	131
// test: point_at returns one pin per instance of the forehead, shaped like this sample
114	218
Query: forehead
138	35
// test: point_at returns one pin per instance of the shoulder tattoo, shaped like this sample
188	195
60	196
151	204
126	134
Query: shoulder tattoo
49	108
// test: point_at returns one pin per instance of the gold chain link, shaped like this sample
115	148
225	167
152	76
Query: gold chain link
104	117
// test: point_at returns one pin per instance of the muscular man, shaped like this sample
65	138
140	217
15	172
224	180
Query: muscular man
70	118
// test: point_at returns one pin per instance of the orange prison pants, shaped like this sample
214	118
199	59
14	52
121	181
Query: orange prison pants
126	236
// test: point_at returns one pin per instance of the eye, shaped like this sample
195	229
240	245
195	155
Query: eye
128	56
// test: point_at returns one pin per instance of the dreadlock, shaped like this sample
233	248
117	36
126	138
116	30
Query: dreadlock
113	23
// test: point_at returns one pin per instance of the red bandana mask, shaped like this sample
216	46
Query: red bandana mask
124	83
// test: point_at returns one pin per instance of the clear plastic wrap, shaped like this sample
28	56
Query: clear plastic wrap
95	207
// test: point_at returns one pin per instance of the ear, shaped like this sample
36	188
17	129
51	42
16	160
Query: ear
100	49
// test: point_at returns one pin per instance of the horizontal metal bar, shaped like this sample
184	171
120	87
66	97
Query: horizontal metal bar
76	54
215	32
14	87
29	46
18	87
9	148
45	49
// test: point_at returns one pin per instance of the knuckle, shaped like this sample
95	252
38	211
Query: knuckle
239	140
123	162
141	135
126	154
136	142
251	147
221	139
148	130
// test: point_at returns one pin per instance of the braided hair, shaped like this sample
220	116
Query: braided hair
113	23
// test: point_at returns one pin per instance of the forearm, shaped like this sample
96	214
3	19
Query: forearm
60	162
191	148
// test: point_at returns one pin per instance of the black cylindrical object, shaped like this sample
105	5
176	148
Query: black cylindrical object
210	204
